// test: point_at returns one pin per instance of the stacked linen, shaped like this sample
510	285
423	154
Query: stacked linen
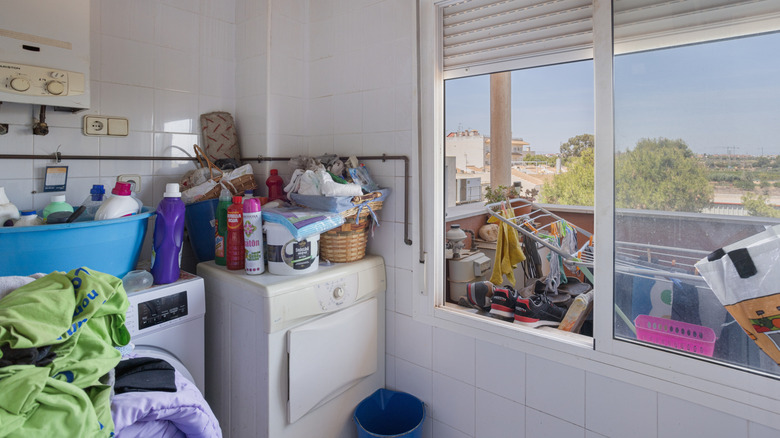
57	339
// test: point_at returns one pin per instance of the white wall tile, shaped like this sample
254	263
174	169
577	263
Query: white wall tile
217	39
321	77
383	243
454	403
19	191
348	144
224	10
415	380
756	430
217	78
441	430
379	110
135	144
389	332
348	113
126	62
134	103
176	70
176	112
320	114
177	28
556	389
390	371
616	408
404	289
591	434
491	357
405	255
453	354
413	341
321	39
499	417
679	418
540	425
129	20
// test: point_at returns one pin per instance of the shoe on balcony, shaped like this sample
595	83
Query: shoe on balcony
502	304
538	308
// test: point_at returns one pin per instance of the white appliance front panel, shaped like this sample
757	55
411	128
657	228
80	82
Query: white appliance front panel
329	355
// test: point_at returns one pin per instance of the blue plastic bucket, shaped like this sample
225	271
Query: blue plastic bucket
111	246
388	413
199	218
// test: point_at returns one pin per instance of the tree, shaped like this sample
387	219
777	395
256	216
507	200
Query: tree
575	146
661	174
758	205
574	187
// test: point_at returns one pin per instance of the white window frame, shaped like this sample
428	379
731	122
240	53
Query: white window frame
747	395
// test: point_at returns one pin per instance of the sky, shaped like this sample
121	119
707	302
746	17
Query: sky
720	98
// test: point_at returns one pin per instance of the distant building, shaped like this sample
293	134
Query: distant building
470	148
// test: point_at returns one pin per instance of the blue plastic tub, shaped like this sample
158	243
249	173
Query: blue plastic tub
199	218
111	246
388	413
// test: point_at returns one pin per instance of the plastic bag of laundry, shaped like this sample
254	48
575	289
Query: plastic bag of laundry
745	277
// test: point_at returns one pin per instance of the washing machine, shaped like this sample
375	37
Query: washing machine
292	356
167	322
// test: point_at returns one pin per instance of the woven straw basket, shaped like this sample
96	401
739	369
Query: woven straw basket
347	243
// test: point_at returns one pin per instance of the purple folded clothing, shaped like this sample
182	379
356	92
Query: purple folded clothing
183	413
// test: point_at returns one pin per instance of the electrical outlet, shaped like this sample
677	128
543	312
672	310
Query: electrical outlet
134	180
94	125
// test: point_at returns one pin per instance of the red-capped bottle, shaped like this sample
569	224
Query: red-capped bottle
234	252
275	185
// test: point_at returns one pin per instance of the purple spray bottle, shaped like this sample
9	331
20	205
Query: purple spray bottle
168	236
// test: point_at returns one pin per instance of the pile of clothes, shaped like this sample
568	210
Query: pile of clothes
329	176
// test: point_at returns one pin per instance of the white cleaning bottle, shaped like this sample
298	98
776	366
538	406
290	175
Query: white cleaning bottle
121	204
253	237
8	211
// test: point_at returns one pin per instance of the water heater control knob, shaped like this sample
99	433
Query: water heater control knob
55	87
20	84
338	293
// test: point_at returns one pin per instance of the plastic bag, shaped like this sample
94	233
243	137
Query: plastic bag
195	193
744	277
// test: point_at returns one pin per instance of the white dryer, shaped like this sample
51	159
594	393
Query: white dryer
167	322
292	356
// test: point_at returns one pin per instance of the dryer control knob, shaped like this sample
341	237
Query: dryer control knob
55	87
338	293
20	84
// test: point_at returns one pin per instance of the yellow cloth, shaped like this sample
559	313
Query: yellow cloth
508	252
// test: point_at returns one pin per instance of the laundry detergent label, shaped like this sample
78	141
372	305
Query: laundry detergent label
297	255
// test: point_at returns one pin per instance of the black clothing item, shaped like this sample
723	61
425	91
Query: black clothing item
144	374
38	356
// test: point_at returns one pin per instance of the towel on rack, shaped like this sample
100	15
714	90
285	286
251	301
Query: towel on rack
508	252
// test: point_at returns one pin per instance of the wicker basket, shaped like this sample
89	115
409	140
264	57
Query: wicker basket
347	243
237	186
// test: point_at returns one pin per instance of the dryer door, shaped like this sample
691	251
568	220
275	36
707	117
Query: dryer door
329	355
159	353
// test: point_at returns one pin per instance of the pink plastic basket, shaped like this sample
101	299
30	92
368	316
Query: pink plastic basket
675	334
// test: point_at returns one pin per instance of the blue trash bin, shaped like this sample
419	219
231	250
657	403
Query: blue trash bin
387	413
199	219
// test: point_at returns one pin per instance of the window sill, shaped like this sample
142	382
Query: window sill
547	337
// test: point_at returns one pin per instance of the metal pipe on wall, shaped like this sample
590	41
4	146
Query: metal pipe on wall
259	159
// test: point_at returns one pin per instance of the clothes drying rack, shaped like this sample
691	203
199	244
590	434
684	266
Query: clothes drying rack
530	225
631	258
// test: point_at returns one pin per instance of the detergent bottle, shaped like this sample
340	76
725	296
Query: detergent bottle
8	211
253	237
234	252
220	231
121	204
168	236
57	204
275	185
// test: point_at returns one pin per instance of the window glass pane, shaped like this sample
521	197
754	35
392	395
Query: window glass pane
521	134
696	169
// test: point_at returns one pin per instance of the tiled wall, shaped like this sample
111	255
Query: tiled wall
158	63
